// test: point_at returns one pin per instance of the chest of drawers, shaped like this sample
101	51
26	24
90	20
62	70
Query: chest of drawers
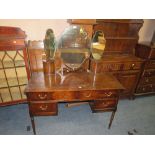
146	83
126	68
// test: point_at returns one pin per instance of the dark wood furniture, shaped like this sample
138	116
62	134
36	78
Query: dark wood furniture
146	83
44	92
13	76
35	50
121	37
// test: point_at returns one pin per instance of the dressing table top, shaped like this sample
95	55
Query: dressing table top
72	82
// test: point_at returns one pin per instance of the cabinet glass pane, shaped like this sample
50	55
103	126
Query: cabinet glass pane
3	82
11	76
22	90
15	93
22	75
19	59
8	59
1	64
5	94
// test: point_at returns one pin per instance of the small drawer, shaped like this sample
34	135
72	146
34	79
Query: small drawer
39	96
145	89
103	105
147	80
148	73
150	64
110	67
43	109
92	95
132	66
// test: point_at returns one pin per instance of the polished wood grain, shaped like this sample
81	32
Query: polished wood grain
11	38
35	49
72	82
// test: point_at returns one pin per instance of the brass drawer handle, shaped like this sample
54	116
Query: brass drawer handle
108	94
43	107
88	95
132	66
42	97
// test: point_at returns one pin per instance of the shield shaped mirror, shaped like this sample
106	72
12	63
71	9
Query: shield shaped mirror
74	46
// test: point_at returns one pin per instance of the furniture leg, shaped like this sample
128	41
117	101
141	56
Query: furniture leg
33	125
111	119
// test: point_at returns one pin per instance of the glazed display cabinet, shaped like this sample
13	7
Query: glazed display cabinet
13	74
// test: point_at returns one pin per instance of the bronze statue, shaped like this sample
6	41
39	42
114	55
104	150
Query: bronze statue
49	44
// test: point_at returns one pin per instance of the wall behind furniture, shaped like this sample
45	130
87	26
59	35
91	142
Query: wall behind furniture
35	28
147	30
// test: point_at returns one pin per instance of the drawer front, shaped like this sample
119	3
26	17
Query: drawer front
72	96
92	95
110	67
132	66
39	96
145	89
43	109
148	73
103	105
150	64
147	80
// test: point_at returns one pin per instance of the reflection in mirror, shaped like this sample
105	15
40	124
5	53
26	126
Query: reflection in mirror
74	47
98	45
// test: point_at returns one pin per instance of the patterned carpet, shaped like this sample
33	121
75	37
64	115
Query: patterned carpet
133	117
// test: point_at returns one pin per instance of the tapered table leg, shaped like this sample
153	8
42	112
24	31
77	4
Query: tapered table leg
111	119
33	125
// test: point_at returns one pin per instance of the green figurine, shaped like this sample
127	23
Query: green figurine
49	44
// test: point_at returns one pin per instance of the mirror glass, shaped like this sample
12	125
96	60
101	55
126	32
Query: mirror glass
74	46
98	45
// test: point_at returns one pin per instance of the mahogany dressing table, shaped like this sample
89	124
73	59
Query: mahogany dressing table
62	80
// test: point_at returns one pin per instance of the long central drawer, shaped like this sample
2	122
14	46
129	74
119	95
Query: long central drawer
71	95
